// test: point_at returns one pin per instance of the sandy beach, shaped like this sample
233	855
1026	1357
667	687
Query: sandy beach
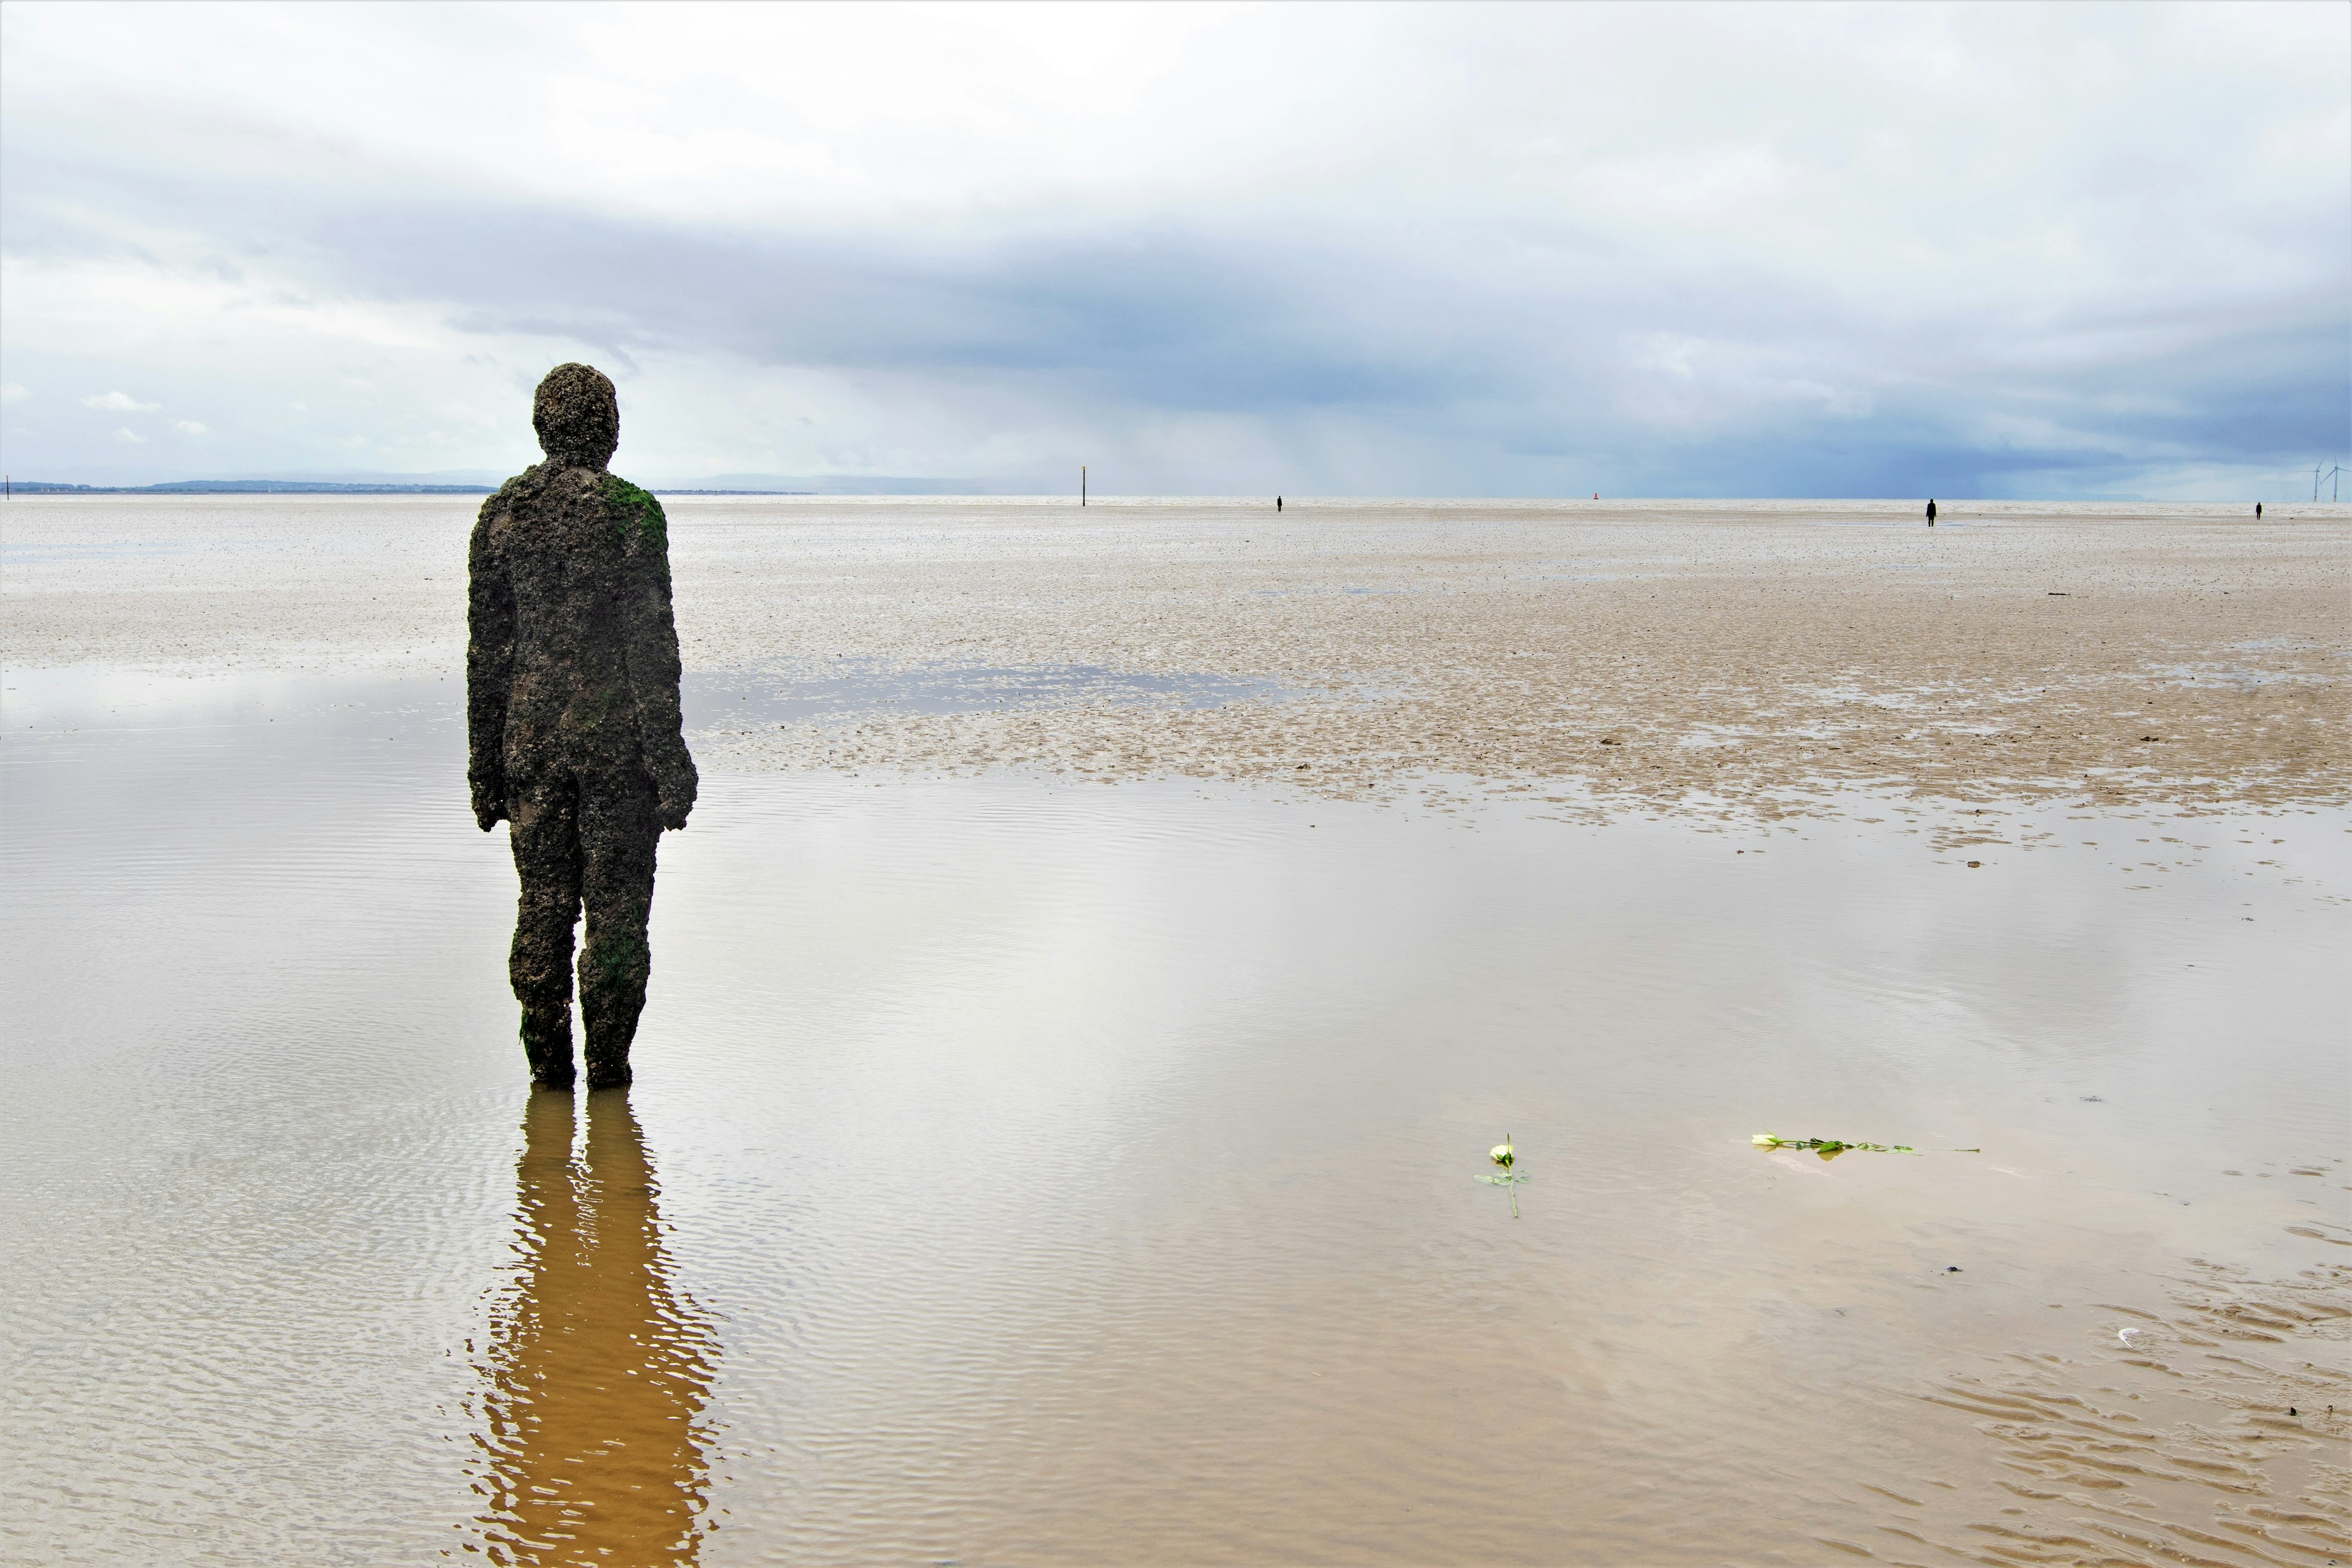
1706	657
935	787
1108	946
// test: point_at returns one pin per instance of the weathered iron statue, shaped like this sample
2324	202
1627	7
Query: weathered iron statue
572	725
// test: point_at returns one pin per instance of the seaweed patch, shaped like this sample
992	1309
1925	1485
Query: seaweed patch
635	510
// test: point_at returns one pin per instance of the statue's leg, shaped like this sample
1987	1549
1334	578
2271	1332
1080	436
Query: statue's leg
544	828
619	828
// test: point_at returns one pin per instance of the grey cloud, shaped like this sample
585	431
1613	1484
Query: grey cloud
1190	321
1477	340
1160	318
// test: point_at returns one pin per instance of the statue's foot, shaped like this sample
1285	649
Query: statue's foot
606	1049
547	1046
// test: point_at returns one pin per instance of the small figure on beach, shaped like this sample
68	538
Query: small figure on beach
1277	503
1931	511
572	726
2258	511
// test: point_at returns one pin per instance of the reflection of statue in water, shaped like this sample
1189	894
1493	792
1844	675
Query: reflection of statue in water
600	1368
573	721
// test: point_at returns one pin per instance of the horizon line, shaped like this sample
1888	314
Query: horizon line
392	487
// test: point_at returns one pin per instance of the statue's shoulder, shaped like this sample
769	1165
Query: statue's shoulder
635	511
509	495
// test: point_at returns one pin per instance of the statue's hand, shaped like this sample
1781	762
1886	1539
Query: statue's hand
489	807
674	786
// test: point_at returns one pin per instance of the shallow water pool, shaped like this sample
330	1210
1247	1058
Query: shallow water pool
1023	1172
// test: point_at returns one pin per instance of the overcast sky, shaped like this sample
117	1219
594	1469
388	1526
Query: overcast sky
1679	249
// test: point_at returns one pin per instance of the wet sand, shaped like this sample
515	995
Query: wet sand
1022	1171
1719	658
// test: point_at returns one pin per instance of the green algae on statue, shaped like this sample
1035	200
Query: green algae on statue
573	733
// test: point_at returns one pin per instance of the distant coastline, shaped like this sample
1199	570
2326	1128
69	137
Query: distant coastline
308	488
243	486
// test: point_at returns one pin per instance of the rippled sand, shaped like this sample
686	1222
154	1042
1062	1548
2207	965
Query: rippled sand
1730	659
1025	1171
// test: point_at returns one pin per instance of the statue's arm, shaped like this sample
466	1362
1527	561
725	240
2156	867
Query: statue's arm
489	669
653	667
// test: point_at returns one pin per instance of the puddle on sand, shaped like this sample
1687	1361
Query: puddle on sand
1050	1173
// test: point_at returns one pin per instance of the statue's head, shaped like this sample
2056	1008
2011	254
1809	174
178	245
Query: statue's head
577	416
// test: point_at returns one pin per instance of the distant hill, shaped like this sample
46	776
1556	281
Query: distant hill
476	482
246	486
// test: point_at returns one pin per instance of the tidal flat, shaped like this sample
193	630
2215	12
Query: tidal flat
1108	946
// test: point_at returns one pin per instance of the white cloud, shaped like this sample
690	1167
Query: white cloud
119	403
190	427
12	392
130	437
1215	248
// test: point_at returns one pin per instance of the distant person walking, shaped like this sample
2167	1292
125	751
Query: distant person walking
2258	511
1931	511
1277	503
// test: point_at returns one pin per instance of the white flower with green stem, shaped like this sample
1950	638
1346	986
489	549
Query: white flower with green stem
1505	1159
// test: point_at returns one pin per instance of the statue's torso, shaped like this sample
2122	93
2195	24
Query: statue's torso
570	702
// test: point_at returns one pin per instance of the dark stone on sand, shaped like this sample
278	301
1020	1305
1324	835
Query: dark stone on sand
573	723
